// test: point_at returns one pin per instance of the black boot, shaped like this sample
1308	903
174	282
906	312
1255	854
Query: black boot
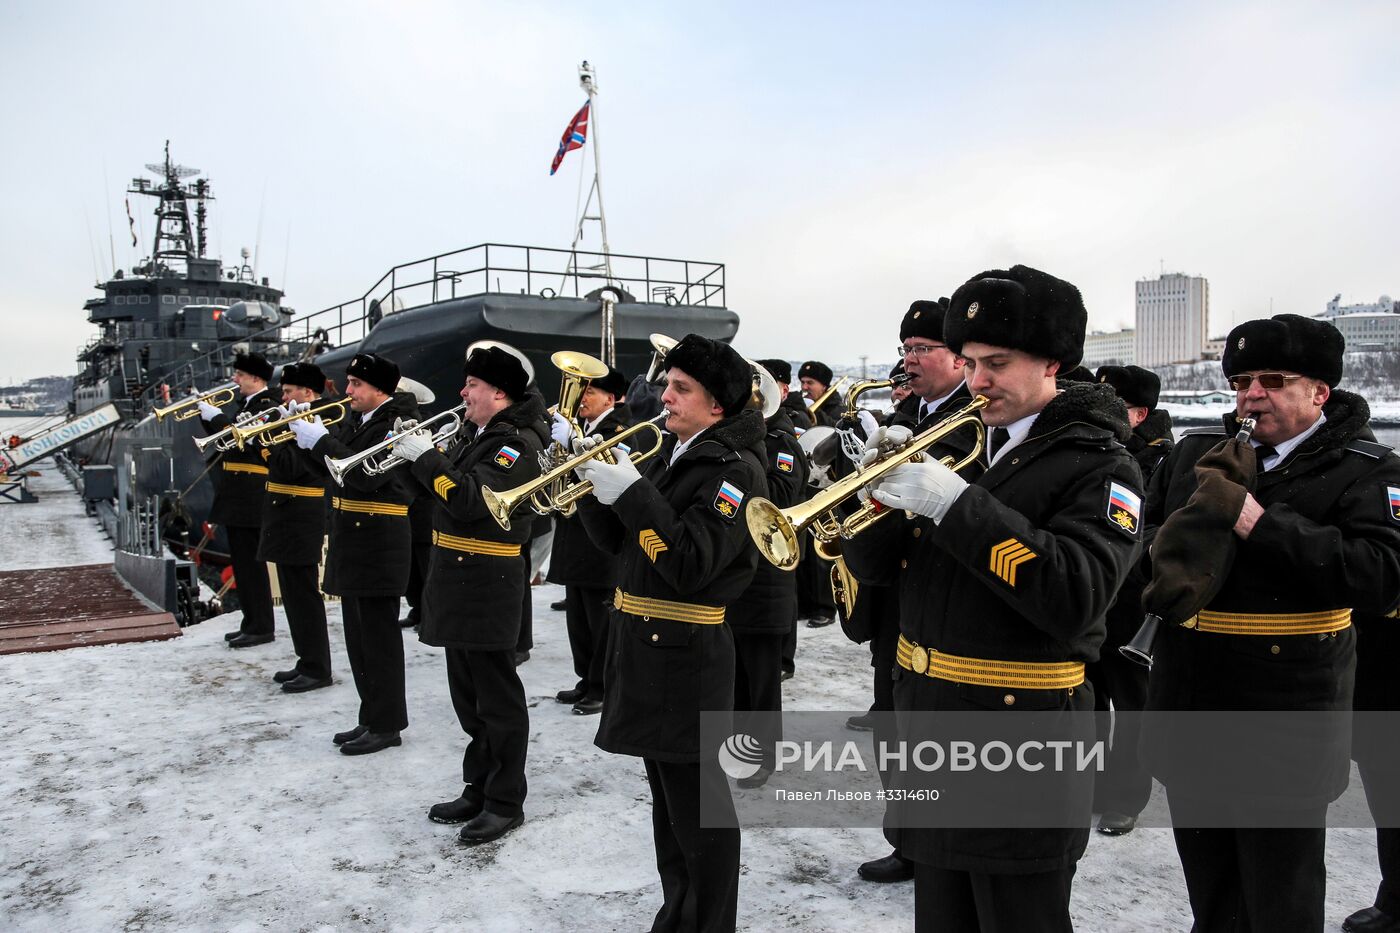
371	742
893	867
487	826
454	811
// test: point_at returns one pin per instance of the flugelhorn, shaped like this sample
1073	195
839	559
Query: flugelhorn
775	531
380	458
223	440
188	407
241	435
542	490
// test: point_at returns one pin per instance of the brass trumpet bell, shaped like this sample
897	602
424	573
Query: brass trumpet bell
188	407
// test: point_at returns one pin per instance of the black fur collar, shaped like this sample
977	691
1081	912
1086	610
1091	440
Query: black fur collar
525	415
1091	403
1347	417
737	432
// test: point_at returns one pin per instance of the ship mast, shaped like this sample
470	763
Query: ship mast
587	79
174	238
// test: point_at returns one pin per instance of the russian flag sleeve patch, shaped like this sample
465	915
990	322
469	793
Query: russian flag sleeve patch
728	499
1124	509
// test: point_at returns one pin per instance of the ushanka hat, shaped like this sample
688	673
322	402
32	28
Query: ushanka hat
781	370
305	375
1288	342
924	319
614	383
716	366
378	371
501	369
815	369
1137	387
254	364
1022	309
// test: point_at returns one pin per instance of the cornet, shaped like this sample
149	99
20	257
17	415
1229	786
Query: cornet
187	407
379	458
542	489
241	434
223	440
775	531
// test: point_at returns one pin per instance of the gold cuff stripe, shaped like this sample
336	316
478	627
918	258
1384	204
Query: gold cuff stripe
1026	675
442	486
1007	556
476	545
245	468
649	608
1284	623
310	492
370	508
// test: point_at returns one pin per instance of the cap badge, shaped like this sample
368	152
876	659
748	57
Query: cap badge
916	314
1240	345
972	310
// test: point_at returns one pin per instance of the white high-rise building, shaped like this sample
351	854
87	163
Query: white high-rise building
1173	312
1102	348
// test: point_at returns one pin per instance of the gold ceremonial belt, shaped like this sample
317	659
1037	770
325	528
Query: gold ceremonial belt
310	492
1280	623
476	545
649	608
244	468
1026	675
372	508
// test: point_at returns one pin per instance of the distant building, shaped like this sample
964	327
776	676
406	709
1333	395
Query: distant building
1374	326
1214	348
1104	348
1195	397
1172	315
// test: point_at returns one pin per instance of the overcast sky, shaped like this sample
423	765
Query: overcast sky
841	159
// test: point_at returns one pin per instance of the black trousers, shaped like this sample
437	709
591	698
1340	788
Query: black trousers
1125	783
758	669
526	640
1254	880
949	901
699	867
586	618
250	574
306	617
1383	794
490	704
884	646
374	642
790	646
814	597
421	557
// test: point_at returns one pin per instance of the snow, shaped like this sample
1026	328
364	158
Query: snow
172	786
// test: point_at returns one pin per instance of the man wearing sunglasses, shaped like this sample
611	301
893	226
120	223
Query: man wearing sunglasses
1318	538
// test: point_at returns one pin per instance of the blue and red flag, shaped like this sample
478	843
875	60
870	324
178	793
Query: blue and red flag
574	136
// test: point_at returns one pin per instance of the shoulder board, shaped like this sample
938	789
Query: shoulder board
1368	449
1211	431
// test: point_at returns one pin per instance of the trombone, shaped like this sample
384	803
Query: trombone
380	459
775	531
187	407
822	399
241	434
223	440
542	490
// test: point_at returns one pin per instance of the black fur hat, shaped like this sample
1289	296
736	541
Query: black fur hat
716	366
897	369
814	369
924	319
1020	308
614	383
1079	373
306	375
1137	387
781	370
378	371
254	364
500	369
1288	342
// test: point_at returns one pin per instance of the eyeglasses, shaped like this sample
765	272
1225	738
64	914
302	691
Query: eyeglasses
920	350
1242	382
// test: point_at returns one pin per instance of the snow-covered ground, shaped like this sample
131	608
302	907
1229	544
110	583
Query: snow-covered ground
172	786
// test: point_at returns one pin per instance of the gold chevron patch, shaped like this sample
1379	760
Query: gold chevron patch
1007	556
442	486
651	543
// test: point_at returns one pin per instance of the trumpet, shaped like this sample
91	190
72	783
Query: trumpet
380	459
542	489
822	399
187	407
775	531
223	440
242	434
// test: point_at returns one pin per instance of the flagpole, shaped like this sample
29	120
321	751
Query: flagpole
586	79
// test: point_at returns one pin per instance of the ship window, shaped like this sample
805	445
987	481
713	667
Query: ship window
204	299
145	299
167	299
119	299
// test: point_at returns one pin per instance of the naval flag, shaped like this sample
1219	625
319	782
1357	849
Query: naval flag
574	135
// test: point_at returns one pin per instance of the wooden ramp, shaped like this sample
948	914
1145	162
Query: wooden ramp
71	607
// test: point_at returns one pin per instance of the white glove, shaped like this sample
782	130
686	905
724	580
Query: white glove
208	412
883	440
309	432
928	488
562	430
868	424
412	446
580	444
610	480
290	408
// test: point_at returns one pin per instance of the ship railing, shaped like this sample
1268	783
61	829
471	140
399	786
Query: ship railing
484	269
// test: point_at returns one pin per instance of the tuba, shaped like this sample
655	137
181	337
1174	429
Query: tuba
775	530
